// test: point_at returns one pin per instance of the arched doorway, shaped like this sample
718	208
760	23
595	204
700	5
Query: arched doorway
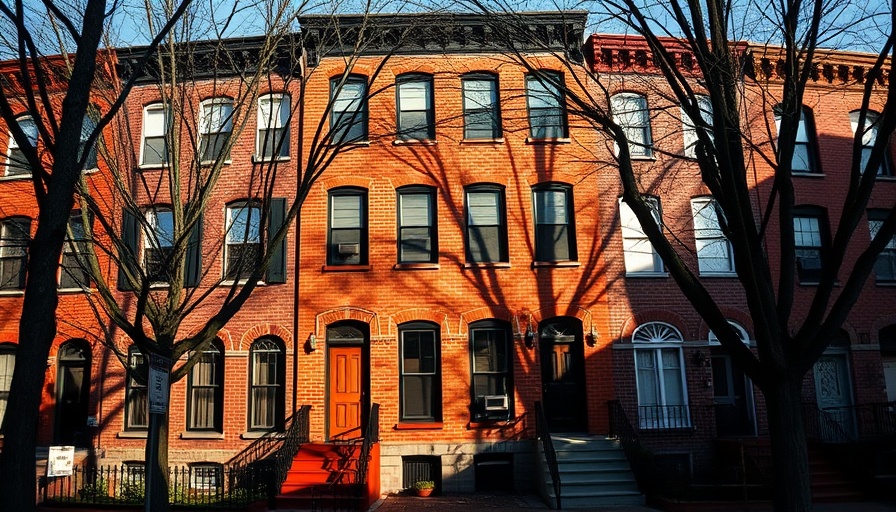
347	383
72	393
562	355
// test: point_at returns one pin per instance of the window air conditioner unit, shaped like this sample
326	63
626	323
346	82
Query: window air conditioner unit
495	402
348	249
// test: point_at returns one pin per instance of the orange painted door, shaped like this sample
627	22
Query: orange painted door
346	395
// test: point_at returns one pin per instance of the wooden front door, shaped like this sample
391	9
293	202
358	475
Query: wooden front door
346	393
834	393
732	397
563	376
72	394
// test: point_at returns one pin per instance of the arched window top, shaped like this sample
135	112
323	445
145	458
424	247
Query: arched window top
74	350
739	329
345	332
656	332
560	329
266	345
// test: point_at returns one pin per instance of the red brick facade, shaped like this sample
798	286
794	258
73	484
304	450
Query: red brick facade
590	293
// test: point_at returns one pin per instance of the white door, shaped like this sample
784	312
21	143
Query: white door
834	392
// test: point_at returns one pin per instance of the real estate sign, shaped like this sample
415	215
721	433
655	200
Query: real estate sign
60	460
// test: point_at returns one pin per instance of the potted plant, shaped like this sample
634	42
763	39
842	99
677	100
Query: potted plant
424	487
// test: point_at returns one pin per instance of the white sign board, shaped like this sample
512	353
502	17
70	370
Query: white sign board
60	460
158	384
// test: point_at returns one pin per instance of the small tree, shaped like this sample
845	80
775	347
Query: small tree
169	170
58	119
730	77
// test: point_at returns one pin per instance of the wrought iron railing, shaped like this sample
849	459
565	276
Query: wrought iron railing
875	421
543	433
822	426
203	487
297	432
371	436
663	417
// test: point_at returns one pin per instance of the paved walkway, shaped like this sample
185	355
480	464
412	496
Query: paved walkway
513	503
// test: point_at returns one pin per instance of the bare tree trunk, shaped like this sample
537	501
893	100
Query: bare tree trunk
157	464
37	329
792	491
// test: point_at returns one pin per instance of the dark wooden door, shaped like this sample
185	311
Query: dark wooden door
346	395
72	394
563	379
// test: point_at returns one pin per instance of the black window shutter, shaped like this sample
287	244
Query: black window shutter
193	261
277	215
128	255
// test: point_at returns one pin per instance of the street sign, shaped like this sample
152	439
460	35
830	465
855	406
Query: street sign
159	368
60	460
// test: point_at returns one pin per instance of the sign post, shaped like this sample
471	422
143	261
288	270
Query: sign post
60	461
157	387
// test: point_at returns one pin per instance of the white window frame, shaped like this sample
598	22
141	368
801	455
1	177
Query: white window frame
24	122
239	235
7	366
155	125
269	121
657	338
708	237
869	138
689	128
742	333
803	150
808	239
635	122
887	257
215	120
153	238
635	244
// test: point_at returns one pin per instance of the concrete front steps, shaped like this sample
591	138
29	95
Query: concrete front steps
321	477
593	472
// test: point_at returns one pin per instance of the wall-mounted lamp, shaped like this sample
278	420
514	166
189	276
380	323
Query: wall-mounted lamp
530	335
312	342
591	337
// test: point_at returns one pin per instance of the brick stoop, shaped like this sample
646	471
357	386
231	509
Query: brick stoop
322	476
829	483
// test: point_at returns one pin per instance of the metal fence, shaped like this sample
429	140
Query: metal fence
203	486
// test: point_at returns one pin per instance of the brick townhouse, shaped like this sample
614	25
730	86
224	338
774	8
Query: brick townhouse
464	257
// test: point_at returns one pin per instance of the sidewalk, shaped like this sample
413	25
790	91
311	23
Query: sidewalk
512	502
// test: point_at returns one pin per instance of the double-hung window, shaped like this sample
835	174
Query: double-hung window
205	391
690	128
416	115
266	396
74	273
869	137
17	164
417	242
272	139
420	382
631	114
640	255
482	116
154	150
348	121
15	236
158	244
714	254
885	266
87	128
215	127
243	242
136	401
486	225
348	227
555	238
804	150
809	241
7	365
660	377
545	99
490	358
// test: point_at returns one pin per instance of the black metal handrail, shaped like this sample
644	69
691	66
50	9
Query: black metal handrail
874	421
543	433
371	436
620	427
296	433
821	426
